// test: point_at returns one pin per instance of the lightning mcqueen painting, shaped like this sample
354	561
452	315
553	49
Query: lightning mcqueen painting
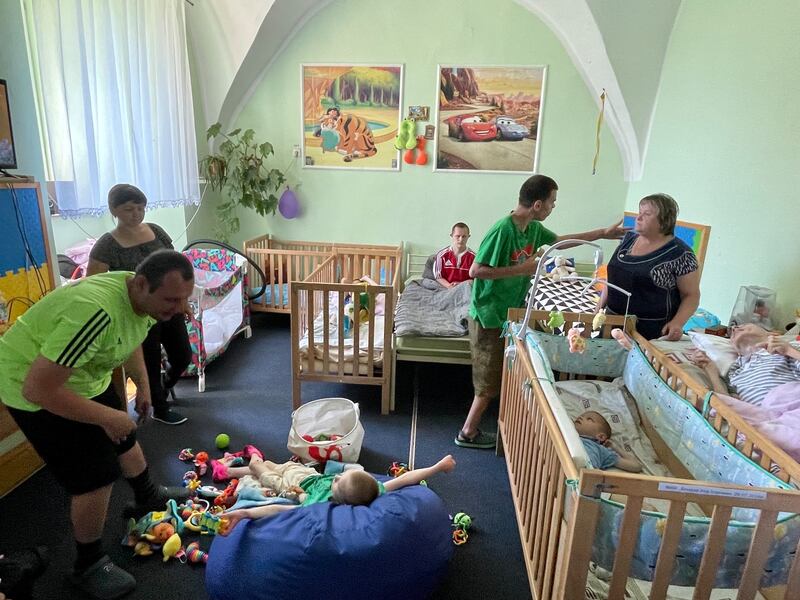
470	128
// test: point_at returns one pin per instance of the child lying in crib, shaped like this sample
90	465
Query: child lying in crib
765	361
355	487
595	434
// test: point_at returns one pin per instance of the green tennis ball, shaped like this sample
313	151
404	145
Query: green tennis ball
222	441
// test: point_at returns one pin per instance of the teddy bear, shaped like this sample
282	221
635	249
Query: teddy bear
560	268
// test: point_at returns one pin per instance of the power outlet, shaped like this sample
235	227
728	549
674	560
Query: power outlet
295	151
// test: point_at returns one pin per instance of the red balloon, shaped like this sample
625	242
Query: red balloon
288	205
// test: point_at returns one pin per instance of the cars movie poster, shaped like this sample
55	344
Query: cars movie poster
488	118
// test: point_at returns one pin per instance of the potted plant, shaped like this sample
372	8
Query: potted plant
239	170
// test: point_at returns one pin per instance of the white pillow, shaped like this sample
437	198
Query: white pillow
719	349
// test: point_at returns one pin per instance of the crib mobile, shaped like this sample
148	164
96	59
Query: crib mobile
575	338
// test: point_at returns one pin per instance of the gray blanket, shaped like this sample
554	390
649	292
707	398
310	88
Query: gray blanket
427	308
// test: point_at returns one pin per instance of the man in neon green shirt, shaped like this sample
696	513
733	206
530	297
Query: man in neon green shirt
506	259
56	365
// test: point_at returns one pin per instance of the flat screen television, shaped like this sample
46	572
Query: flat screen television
8	158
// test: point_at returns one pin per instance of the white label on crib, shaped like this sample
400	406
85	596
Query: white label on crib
711	491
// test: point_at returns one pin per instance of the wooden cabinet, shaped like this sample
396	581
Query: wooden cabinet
27	272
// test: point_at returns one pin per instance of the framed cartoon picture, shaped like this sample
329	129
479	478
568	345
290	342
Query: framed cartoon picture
351	115
489	118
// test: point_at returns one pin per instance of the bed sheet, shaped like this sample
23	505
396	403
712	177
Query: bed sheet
332	325
612	400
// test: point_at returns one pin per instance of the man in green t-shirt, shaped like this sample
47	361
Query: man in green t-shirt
506	259
56	366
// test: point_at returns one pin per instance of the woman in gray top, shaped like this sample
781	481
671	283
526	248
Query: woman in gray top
122	249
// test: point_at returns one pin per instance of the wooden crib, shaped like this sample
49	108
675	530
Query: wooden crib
282	261
557	504
318	308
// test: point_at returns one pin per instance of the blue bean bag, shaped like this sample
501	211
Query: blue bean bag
398	547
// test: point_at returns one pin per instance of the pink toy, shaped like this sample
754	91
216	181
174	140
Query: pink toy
186	455
577	343
622	338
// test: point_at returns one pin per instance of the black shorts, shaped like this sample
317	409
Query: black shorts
81	456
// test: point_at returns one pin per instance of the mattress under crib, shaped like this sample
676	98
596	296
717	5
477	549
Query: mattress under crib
708	456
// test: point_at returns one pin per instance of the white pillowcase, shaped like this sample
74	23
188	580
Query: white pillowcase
719	349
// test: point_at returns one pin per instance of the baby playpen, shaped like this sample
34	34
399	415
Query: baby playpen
720	522
342	319
219	306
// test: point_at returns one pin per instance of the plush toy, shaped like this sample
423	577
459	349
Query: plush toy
599	319
406	135
577	343
560	269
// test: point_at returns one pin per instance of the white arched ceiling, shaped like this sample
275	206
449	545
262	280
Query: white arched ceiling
251	37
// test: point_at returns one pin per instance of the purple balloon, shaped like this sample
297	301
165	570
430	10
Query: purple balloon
288	205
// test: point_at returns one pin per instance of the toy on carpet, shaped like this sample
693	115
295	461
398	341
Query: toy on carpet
461	524
599	319
172	547
186	455
194	555
222	441
397	469
556	319
227	498
577	343
154	531
560	268
201	463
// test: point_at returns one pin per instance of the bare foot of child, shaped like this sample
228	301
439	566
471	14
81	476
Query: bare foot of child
448	463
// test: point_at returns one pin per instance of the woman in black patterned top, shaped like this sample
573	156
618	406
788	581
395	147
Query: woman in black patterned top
659	270
122	249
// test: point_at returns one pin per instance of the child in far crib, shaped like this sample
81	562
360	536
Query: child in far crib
595	434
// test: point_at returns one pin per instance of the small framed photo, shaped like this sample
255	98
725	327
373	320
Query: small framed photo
419	113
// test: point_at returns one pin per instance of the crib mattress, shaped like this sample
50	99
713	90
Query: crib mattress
333	367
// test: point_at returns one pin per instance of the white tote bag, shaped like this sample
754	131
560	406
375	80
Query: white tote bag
334	418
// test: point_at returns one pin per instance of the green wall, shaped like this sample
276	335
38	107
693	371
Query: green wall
417	206
725	142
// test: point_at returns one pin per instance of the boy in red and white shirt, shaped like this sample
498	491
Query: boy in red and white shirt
452	263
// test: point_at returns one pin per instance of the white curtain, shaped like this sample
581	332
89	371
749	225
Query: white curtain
115	100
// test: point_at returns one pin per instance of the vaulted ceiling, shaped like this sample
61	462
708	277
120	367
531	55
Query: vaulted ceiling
616	45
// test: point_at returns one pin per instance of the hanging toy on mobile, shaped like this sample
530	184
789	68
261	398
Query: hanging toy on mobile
577	343
599	319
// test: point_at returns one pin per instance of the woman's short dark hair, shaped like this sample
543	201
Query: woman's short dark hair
536	187
123	193
667	210
155	267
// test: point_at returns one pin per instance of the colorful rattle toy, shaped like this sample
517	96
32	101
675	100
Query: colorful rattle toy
461	524
195	555
397	469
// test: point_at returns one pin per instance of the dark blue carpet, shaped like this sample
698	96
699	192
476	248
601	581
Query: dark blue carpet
248	396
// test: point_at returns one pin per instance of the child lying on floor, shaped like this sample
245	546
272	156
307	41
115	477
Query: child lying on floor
595	434
765	361
354	487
